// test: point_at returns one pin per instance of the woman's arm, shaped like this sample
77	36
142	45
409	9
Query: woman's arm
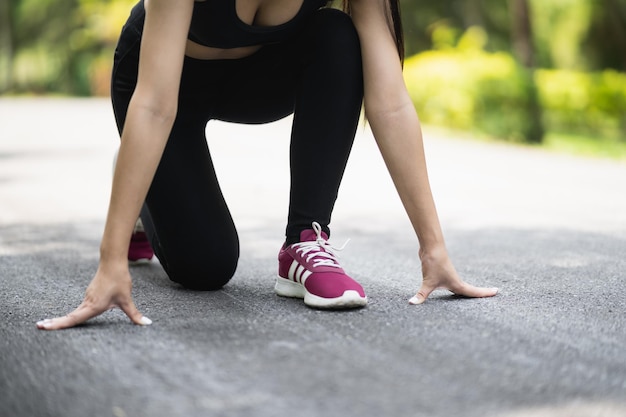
150	117
397	130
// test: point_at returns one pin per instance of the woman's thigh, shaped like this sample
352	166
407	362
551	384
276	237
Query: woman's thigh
318	66
259	88
318	76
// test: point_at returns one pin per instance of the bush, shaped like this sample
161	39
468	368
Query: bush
584	103
62	46
468	88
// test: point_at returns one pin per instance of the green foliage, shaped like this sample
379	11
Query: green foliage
421	19
560	29
466	87
586	103
568	34
58	45
469	81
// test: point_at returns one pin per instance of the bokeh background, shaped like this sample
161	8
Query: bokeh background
550	73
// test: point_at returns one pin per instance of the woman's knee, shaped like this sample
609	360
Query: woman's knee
203	274
202	264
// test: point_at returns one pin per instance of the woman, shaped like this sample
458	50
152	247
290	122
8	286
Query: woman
180	63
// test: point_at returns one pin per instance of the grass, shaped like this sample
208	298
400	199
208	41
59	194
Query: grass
586	146
569	144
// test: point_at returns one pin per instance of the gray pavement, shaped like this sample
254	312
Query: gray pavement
548	229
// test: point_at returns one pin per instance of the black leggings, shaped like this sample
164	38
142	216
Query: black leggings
316	75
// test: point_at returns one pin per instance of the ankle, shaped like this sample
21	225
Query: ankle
295	233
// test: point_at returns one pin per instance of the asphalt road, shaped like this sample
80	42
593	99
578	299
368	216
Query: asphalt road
549	230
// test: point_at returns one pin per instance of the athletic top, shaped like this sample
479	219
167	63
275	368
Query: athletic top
215	23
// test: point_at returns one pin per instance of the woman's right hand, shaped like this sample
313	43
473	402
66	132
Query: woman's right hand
149	120
110	288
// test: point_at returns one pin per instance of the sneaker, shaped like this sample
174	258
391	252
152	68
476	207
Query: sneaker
139	251
310	270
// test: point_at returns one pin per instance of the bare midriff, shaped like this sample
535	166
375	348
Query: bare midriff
197	51
263	13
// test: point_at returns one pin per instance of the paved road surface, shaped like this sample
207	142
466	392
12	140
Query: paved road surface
549	230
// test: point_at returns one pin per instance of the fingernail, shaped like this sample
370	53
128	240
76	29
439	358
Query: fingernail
40	323
145	321
414	300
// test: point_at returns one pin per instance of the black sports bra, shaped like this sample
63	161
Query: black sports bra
215	23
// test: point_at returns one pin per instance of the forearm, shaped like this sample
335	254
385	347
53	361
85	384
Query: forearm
398	135
149	120
394	121
143	140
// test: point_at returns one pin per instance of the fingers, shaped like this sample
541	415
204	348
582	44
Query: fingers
422	294
133	314
76	317
85	312
468	290
462	289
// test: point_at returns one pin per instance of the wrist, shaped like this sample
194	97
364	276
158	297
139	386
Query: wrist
433	253
113	256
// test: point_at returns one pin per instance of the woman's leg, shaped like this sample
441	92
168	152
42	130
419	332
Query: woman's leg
185	215
318	76
328	105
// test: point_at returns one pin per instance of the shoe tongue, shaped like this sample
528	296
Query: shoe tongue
309	235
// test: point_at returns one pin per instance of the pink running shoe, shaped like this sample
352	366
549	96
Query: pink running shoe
310	270
139	251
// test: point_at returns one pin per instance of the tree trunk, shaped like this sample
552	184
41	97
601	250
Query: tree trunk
522	41
616	22
471	13
521	32
6	46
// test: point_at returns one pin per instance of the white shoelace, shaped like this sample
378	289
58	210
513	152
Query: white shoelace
322	252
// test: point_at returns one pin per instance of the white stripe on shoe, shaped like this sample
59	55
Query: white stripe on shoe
292	271
298	273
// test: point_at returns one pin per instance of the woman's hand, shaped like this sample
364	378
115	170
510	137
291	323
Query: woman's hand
110	288
438	272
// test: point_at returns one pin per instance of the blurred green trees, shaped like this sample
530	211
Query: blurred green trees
518	68
567	34
510	68
58	46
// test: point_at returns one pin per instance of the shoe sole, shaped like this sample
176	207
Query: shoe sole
140	261
349	299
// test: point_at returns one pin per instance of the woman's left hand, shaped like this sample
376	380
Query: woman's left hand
439	273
